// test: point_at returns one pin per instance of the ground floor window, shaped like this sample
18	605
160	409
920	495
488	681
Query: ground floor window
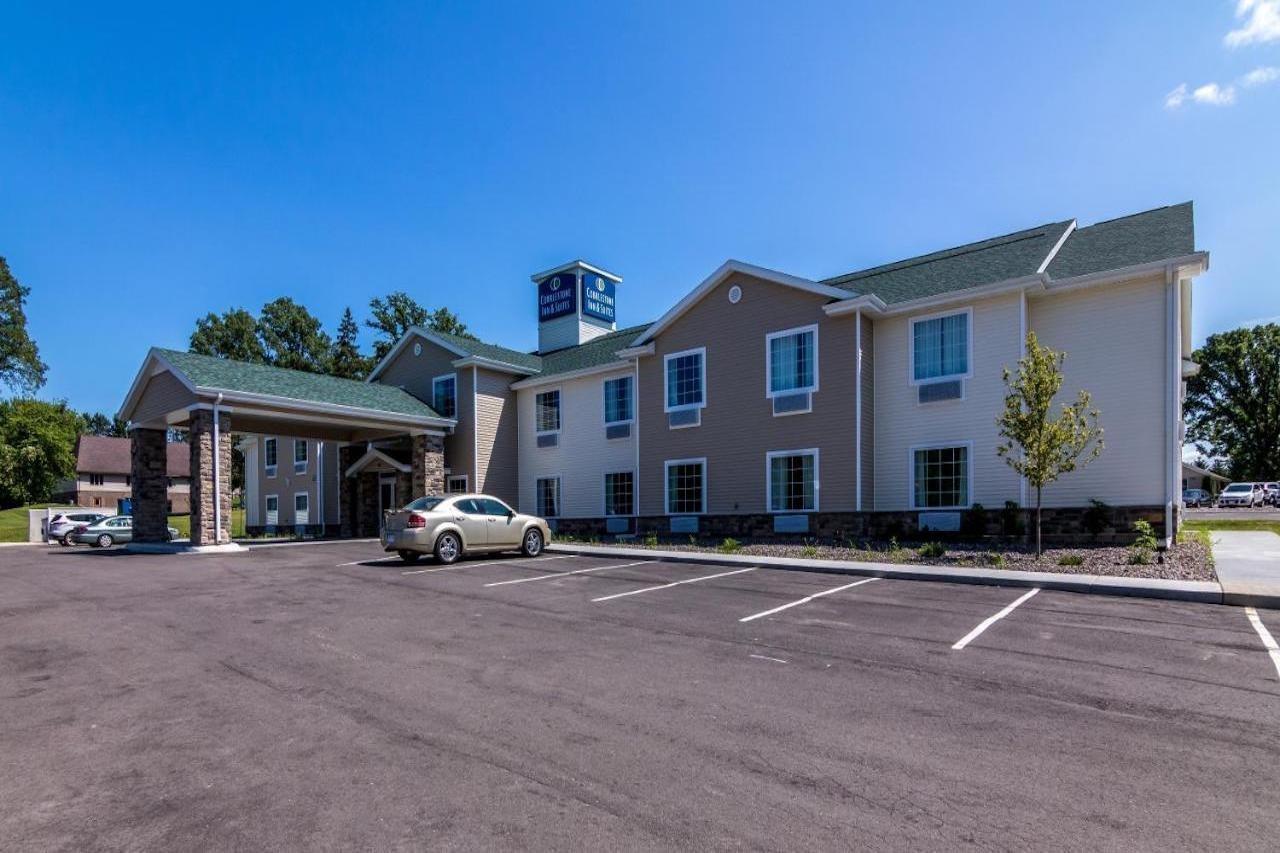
273	510
686	486
940	477
548	496
619	493
302	508
793	480
456	485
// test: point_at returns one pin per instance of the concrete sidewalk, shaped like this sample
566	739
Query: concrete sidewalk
1248	565
1205	592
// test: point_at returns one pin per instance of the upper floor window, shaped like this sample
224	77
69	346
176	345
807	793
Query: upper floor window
269	456
686	379
792	360
547	411
299	456
940	347
444	395
96	479
617	400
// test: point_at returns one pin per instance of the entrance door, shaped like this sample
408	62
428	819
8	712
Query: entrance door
386	498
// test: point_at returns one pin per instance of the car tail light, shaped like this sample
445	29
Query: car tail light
415	520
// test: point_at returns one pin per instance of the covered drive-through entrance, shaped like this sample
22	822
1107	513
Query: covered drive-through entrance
390	444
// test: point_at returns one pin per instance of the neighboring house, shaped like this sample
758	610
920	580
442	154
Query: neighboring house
104	475
1194	477
764	402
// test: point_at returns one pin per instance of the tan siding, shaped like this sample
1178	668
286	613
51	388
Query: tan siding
496	436
738	426
1115	338
163	394
286	483
414	373
868	413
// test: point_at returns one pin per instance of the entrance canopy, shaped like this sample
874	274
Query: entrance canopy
272	400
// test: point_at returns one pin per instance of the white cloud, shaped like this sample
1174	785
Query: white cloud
1261	23
1261	76
1212	93
1174	99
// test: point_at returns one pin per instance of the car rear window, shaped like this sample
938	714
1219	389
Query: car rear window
425	504
1240	487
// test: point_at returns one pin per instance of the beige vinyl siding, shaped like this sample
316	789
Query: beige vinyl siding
738	426
868	413
901	423
162	394
414	374
583	456
497	457
286	483
1116	340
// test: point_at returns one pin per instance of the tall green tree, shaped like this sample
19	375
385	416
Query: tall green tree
232	334
1040	446
292	336
1233	403
399	312
20	365
37	449
345	359
96	423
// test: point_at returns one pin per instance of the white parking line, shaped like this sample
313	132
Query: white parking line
669	585
465	565
805	600
1267	640
991	620
565	574
766	657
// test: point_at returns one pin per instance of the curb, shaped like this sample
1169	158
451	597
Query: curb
1200	592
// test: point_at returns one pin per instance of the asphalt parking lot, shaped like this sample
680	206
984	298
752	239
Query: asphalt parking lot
323	697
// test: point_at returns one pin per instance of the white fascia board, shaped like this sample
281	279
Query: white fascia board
371	455
493	364
1029	283
636	352
1053	253
151	365
555	378
728	268
404	342
356	412
868	303
1185	265
539	276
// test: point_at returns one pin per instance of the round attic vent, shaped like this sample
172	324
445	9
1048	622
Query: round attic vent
417	348
735	295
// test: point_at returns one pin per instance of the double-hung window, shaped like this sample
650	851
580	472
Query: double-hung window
792	477
685	392
548	496
619	493
444	395
299	456
269	456
686	486
546	414
791	368
617	400
940	347
940	477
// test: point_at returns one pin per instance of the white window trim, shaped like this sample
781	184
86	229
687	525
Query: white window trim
666	388
306	451
768	479
768	363
466	483
911	474
604	399
297	495
911	347
270	469
441	378
559	410
666	484
604	494
537	491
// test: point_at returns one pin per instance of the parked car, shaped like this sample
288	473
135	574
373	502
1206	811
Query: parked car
109	531
1241	495
1271	494
63	524
450	526
1196	498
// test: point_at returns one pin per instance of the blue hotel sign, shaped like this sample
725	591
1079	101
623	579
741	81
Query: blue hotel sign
598	297
557	296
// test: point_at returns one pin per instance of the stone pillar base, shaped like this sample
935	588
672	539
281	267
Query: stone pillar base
428	466
149	463
203	493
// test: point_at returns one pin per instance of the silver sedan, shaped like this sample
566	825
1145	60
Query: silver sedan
450	526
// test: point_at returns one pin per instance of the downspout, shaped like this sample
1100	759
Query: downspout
857	415
635	417
320	482
475	428
217	474
1022	353
1175	352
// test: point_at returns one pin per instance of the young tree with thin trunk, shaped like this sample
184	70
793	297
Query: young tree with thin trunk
1038	445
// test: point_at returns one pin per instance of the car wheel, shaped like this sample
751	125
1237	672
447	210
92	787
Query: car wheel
65	541
448	548
408	556
531	546
105	541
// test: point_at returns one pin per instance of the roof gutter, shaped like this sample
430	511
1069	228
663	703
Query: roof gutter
1199	261
552	379
327	408
494	364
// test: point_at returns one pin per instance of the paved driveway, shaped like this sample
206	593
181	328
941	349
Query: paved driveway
320	697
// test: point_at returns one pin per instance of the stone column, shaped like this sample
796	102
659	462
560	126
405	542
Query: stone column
149	464
347	490
200	438
428	466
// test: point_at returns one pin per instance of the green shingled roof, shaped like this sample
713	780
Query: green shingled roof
471	346
223	374
593	353
1154	235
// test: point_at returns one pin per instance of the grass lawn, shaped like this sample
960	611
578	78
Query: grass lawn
1232	524
182	521
13	523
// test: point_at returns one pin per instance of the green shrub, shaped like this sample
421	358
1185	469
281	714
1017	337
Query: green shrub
651	540
1144	543
996	560
1097	517
932	551
809	551
1071	560
893	545
730	546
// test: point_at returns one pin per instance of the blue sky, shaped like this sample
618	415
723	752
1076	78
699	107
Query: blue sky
191	157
